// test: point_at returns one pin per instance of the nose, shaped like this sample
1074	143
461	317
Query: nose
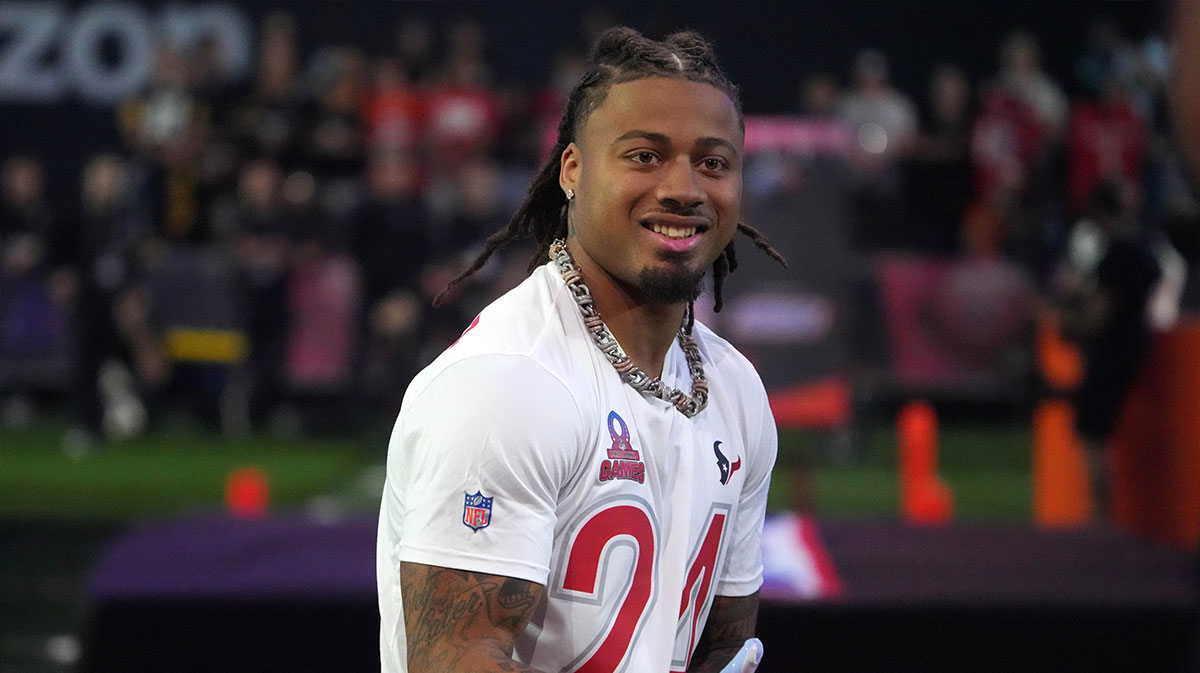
680	186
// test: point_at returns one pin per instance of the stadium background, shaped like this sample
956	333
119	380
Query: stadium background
889	301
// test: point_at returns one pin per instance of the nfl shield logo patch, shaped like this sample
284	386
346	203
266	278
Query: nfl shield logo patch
477	510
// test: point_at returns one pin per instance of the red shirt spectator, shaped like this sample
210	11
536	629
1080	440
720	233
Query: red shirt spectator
463	116
394	109
1005	140
1106	140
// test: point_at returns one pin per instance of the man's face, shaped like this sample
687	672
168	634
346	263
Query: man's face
657	174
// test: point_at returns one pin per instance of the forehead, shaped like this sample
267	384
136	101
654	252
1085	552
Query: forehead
680	109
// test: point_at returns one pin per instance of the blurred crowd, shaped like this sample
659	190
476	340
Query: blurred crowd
342	190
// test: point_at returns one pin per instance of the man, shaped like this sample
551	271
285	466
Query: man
552	502
1108	317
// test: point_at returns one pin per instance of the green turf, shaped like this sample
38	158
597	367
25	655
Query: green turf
165	472
185	468
985	467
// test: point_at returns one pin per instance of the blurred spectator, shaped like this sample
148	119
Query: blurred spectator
267	122
940	168
262	244
35	286
393	109
1109	55
120	369
1185	95
884	124
819	97
168	113
551	98
1105	285
309	225
1147	92
169	128
480	206
219	96
1021	75
30	232
1006	139
210	83
464	111
392	246
333	135
1107	142
883	118
324	288
467	44
391	236
414	47
1147	81
1016	145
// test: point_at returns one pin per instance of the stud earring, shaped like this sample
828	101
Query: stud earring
570	194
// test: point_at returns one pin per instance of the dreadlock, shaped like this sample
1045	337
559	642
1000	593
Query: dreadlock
619	55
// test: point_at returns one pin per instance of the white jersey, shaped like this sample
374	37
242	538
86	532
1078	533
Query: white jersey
520	452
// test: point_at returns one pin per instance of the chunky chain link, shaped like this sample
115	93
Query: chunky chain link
688	405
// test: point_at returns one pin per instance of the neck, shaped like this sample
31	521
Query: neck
645	329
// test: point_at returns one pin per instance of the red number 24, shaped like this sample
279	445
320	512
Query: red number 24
584	567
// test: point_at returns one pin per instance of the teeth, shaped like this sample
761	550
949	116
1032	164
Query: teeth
674	232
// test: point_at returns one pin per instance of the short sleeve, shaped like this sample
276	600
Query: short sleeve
743	571
500	428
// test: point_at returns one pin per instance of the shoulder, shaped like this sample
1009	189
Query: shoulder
737	390
525	321
514	358
506	414
726	361
490	386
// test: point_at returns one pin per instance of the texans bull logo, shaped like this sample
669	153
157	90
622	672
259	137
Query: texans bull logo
723	464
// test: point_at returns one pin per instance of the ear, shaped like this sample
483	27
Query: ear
569	168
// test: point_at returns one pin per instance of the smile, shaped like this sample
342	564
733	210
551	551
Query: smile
675	227
672	232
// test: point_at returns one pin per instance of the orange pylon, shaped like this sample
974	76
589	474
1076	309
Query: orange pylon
1062	494
924	498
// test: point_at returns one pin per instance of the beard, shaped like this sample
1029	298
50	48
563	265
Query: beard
671	286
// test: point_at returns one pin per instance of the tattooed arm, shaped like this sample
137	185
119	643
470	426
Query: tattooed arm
731	621
457	620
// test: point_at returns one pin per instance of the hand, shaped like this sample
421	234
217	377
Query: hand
747	658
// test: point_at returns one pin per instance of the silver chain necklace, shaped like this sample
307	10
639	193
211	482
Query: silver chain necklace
688	405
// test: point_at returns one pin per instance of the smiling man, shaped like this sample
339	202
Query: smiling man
579	483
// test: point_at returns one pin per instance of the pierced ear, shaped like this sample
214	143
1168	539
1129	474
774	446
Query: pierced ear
568	168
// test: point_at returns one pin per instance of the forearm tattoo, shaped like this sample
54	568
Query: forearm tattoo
459	620
731	622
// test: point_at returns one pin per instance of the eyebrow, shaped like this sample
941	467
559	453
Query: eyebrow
661	139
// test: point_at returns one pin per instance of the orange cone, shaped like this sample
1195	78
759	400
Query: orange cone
1062	495
247	493
924	498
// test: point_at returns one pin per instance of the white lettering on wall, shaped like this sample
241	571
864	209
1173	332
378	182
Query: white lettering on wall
49	52
31	29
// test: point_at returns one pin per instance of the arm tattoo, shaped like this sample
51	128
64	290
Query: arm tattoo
730	623
461	620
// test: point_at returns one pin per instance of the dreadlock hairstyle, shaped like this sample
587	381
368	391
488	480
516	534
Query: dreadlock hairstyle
619	55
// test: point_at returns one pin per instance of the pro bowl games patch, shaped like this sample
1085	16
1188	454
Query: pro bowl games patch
477	510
